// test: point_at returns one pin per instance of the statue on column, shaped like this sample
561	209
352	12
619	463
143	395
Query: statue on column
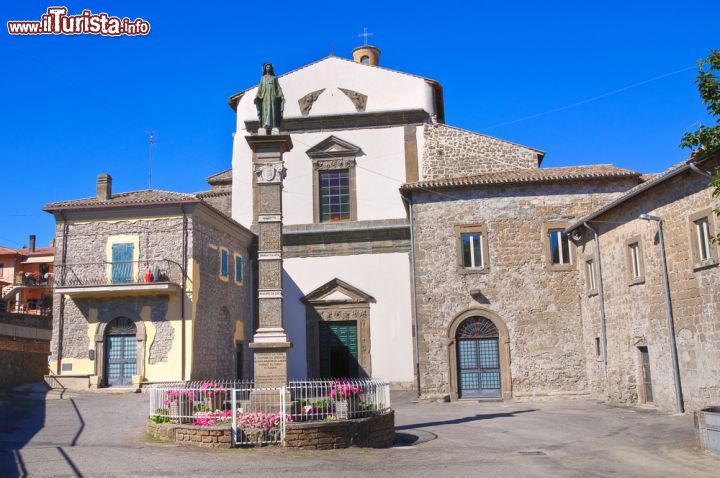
269	102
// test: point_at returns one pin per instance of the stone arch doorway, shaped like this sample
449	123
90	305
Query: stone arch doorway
120	352
479	356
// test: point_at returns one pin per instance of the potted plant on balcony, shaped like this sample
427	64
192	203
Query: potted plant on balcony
149	276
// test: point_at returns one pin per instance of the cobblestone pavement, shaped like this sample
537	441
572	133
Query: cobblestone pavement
102	434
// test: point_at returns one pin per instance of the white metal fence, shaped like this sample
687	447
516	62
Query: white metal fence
259	416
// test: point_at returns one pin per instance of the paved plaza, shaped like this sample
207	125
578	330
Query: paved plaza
101	434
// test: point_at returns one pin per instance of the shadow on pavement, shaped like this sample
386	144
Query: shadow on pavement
474	418
22	415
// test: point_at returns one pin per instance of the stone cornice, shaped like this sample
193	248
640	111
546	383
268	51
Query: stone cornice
348	121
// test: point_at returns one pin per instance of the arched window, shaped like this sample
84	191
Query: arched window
121	326
477	328
365	60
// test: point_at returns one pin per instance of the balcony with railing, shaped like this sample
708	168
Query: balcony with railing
99	279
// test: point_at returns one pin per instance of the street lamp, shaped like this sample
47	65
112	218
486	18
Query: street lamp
668	312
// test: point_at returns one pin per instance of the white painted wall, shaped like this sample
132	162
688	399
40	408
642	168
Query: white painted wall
386	90
379	173
386	277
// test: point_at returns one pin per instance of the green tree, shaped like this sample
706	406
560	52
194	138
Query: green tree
706	139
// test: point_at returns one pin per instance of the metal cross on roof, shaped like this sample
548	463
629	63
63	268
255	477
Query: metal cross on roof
365	34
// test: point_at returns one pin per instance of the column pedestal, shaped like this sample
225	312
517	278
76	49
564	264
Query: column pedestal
270	343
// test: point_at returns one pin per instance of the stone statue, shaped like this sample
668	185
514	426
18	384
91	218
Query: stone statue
269	102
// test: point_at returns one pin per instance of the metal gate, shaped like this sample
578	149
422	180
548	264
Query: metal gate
120	352
121	358
478	358
259	415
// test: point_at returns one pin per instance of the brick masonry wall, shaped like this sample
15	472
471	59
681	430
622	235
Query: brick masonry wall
86	243
219	303
635	314
540	307
371	432
451	152
18	366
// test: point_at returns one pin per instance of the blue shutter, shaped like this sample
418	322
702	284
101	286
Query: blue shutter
238	269
224	264
122	266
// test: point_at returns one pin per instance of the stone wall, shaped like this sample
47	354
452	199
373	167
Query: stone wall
635	310
453	152
24	348
538	304
206	437
22	361
371	432
219	197
219	304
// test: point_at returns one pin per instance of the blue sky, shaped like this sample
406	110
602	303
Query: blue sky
76	106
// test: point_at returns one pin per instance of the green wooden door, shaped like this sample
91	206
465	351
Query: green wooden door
646	377
338	349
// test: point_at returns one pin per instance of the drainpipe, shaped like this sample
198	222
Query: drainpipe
601	293
669	314
182	294
414	295
61	308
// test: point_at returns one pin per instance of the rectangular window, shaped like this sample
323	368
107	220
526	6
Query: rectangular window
702	230
590	275
559	247
472	250
635	260
224	266
597	346
334	195
238	269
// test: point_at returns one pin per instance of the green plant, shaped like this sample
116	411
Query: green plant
705	140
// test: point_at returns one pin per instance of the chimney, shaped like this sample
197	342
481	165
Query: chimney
367	55
32	243
104	187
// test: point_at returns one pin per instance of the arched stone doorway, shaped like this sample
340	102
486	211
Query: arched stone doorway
479	356
120	351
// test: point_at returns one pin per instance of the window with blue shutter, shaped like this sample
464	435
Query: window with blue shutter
238	269
224	263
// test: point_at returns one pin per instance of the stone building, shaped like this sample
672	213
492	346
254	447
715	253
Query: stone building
496	278
150	286
623	298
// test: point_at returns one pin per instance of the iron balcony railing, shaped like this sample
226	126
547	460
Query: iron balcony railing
118	273
42	306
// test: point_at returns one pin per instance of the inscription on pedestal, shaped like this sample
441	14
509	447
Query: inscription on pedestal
270	368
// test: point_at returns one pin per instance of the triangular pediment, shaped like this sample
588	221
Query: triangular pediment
337	291
332	146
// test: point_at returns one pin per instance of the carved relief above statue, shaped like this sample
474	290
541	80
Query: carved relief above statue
358	99
269	173
307	101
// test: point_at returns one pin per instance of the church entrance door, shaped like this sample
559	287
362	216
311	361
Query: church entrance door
338	349
478	358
